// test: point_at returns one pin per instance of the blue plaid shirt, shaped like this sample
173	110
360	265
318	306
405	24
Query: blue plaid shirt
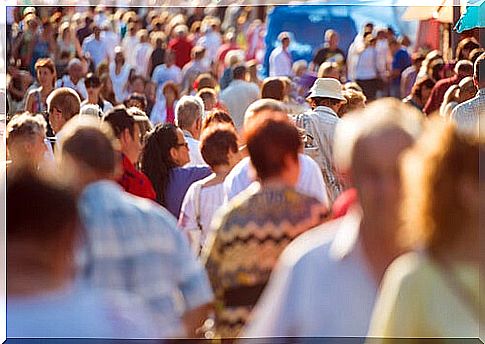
467	115
133	244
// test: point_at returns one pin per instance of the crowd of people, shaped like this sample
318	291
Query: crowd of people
174	192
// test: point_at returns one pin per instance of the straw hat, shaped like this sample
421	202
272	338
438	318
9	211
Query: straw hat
327	88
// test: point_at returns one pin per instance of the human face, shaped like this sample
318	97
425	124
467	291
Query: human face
76	72
285	42
93	90
138	85
45	76
180	153
131	145
376	175
333	41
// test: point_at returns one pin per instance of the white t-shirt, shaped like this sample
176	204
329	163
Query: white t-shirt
210	199
142	56
119	80
310	180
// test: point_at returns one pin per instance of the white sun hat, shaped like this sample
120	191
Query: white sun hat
327	88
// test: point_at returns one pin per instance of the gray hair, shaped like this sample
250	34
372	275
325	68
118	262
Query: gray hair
25	126
188	110
379	117
260	105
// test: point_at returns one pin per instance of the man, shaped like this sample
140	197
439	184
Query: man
85	30
239	95
410	74
467	115
329	52
400	61
280	60
326	98
230	44
168	71
126	128
131	244
181	46
211	40
462	69
194	68
143	51
129	43
62	104
326	282
96	47
188	117
74	78
310	179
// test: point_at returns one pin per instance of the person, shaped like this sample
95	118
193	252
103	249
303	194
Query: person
164	108
355	101
96	47
159	53
110	38
239	95
217	116
420	93
163	160
62	105
273	88
36	101
211	40
400	61
131	244
129	43
67	42
107	91
85	30
143	51
188	117
330	52
119	73
127	130
280	60
74	79
219	147
463	68
410	74
253	229
181	46
326	98
467	115
441	216
43	298
93	88
367	73
18	86
450	100
168	71
196	66
230	44
209	97
25	138
42	46
310	180
339	265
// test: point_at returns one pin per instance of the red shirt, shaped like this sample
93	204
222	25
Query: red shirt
181	48
135	182
438	93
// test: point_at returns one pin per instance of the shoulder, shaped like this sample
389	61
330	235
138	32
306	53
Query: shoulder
409	270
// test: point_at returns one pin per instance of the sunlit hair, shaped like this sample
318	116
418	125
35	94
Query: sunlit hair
216	142
433	173
217	116
25	127
49	64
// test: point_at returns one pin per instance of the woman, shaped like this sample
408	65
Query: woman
107	91
420	93
43	45
119	72
164	109
67	42
434	291
46	76
366	72
273	88
220	150
93	87
164	154
255	227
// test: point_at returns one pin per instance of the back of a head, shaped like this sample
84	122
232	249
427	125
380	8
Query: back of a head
479	71
66	100
49	219
91	145
261	106
24	127
464	68
188	110
239	72
216	142
217	116
273	88
120	119
270	140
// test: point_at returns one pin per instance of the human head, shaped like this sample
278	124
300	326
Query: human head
188	114
327	92
127	130
465	46
273	88
422	90
119	55
138	100
331	38
284	38
42	236
170	90
217	116
239	72
467	89
165	148
418	59
205	80
75	70
264	106
142	35
355	101
96	31
142	121
209	97
91	110
46	72
93	85
169	58
367	148
441	187
138	83
273	144
394	45
463	68
87	152
479	72
25	137
299	68
197	53
218	145
329	70
62	104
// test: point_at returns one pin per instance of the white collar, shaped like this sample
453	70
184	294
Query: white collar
325	109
